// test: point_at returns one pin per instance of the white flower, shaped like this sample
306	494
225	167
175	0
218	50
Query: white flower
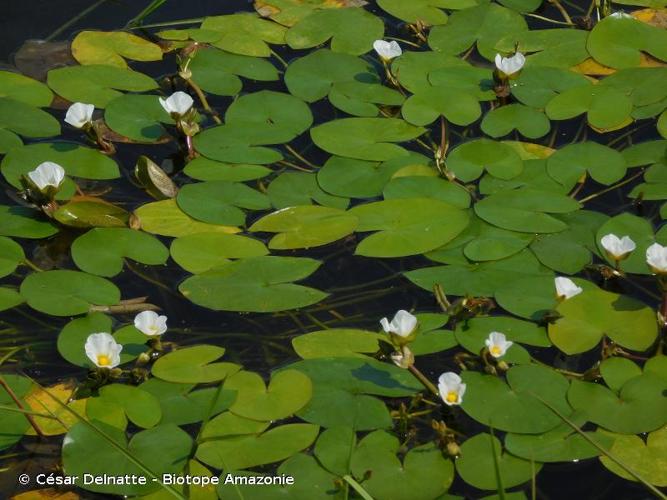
177	103
47	174
451	388
403	358
402	325
497	344
617	248
620	15
565	288
387	50
656	258
103	350
510	65
79	114
150	323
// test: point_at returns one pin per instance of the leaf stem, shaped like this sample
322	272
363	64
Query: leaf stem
202	98
422	378
16	400
612	187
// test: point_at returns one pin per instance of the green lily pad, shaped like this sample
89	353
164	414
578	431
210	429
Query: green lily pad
101	250
245	34
67	293
202	252
141	407
299	188
9	298
641	405
423	468
258	284
477	465
194	365
529	122
250	450
426	106
78	161
11	255
427	187
14	424
286	394
337	342
365	138
484	25
639	230
203	169
24	89
351	31
526	210
218	72
407	226
617	371
512	406
137	117
647	459
84	213
426	11
23	119
72	339
167	219
470	159
223	201
112	48
545	47
587	317
517	330
163	450
536	86
96	84
306	226
618	42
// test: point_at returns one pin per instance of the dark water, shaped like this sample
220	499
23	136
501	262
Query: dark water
363	289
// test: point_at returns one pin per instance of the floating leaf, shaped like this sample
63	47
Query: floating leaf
101	250
194	365
154	180
223	201
112	48
258	284
617	371
67	293
246	34
137	117
14	424
337	342
639	230
299	188
537	85
38	400
166	219
589	316
96	84
85	212
218	72
286	394
141	407
427	187
529	122
11	255
407	226
306	226
477	466
470	159
426	11
201	252
26	120
23	89
203	169
365	138
351	31
430	103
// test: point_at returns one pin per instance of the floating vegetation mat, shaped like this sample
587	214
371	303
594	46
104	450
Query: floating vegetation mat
398	250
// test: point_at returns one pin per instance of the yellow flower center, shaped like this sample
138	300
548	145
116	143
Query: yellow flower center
496	351
452	397
103	360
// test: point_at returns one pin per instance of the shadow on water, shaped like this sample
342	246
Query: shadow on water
363	289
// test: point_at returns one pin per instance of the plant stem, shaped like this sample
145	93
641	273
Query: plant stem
611	188
75	19
542	18
16	400
357	487
297	155
277	56
167	24
204	102
32	265
152	7
422	378
562	10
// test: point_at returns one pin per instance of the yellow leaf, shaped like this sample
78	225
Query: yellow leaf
39	401
530	151
654	17
110	48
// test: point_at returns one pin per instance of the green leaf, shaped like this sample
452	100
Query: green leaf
96	84
618	42
24	89
286	394
218	72
251	450
220	202
429	103
426	11
606	107
337	342
9	298
111	47
351	30
141	407
14	424
300	188
306	226
529	122
167	219
617	371
640	406
101	250
536	86
646	459
67	293
137	117
427	187
194	365
407	226
26	120
477	464
257	284
202	252
365	138
203	169
11	255
245	33
639	230
512	407
470	159
587	317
